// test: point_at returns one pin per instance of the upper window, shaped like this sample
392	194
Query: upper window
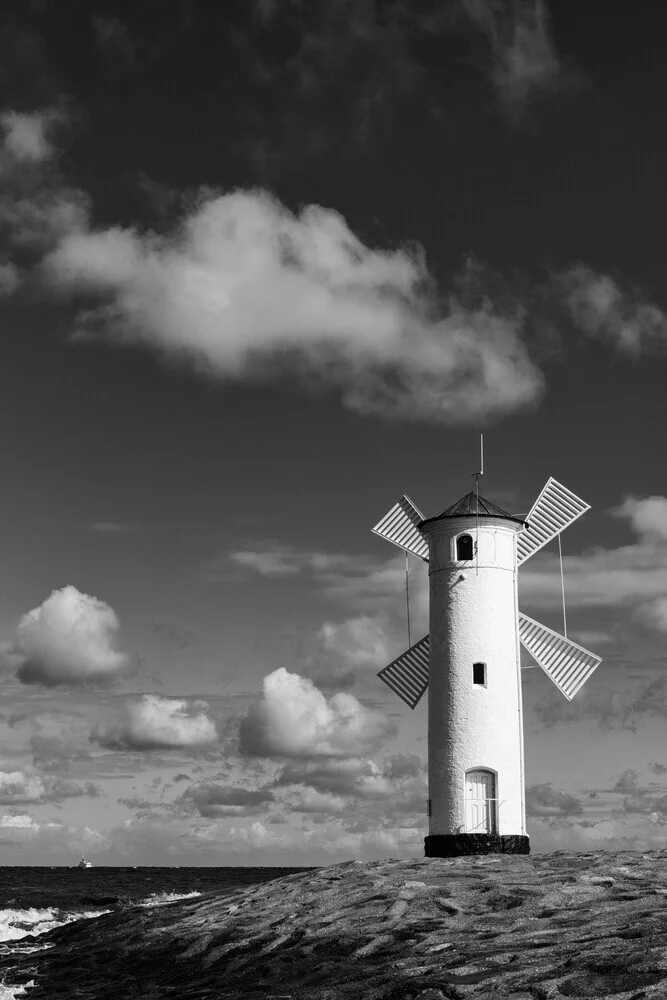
464	547
479	673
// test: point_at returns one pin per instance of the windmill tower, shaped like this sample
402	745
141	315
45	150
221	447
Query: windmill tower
470	661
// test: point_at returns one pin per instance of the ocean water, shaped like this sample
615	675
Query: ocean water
34	900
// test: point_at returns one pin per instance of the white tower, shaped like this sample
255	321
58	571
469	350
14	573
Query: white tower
470	662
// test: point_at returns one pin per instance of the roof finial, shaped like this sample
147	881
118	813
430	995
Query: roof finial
477	475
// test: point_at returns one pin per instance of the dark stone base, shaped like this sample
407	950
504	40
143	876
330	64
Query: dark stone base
452	845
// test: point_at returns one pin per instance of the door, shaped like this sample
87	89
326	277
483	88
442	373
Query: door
480	801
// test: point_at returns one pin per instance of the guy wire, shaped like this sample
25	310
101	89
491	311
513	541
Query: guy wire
562	586
407	597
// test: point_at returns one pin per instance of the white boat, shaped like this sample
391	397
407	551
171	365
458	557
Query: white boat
83	863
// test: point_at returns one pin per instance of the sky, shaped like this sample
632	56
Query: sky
265	267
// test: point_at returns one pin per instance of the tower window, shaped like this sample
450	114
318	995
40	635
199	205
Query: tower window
479	673
464	547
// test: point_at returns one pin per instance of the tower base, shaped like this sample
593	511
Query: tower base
453	845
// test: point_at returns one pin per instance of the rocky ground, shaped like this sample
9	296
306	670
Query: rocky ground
527	927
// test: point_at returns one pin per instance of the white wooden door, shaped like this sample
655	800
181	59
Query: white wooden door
480	802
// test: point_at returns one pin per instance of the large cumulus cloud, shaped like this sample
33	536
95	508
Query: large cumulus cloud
68	639
246	287
294	719
154	723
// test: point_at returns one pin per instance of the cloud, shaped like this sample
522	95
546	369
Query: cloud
359	778
224	800
309	800
51	753
18	822
542	800
294	719
360	641
345	649
10	278
600	578
36	207
648	517
525	61
603	310
245	288
156	723
19	787
266	563
634	575
27	136
358	582
68	639
637	799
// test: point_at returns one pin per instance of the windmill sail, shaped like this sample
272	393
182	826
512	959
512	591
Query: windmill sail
399	525
407	676
567	664
554	510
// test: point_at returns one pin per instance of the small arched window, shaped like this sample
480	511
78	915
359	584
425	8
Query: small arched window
464	547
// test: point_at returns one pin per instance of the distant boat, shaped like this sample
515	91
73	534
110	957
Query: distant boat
83	863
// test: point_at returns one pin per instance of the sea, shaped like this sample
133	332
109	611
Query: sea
34	900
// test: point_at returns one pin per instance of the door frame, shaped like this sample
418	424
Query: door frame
492	801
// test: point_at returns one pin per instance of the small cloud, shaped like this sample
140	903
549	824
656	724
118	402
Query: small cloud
361	641
602	309
654	613
357	778
628	782
525	62
656	768
10	279
648	516
403	765
310	800
20	822
156	723
224	800
68	639
27	135
294	719
266	563
55	754
19	787
543	800
181	777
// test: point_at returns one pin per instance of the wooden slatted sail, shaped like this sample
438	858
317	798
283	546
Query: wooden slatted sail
408	675
399	525
567	664
554	510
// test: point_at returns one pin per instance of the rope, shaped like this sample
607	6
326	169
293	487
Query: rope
562	587
407	597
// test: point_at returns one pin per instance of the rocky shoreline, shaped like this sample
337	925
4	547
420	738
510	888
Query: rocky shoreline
528	927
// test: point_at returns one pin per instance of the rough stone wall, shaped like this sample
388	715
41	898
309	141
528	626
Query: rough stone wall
473	619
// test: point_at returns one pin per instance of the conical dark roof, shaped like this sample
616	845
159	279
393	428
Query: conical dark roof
472	505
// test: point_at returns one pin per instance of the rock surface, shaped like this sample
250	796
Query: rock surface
528	927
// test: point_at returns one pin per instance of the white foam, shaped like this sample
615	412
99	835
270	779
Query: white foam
17	924
9	992
158	898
